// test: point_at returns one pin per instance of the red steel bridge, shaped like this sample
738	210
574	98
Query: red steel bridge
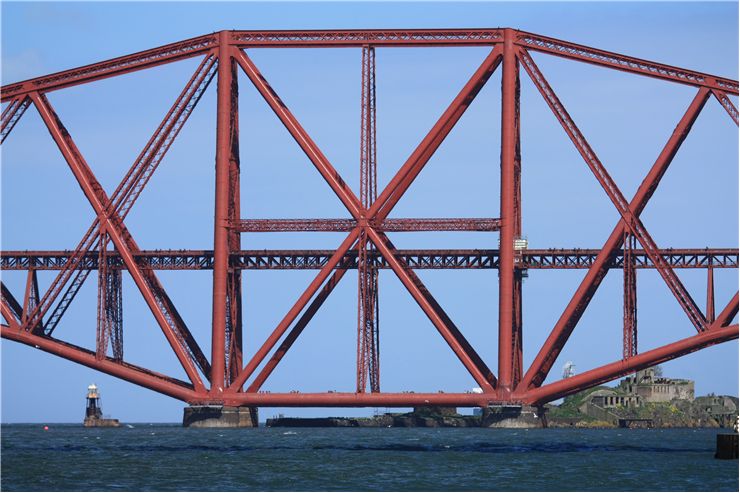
232	377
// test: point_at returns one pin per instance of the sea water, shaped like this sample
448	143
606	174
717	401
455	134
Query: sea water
156	457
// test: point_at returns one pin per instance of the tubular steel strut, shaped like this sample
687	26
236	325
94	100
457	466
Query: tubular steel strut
368	341
109	248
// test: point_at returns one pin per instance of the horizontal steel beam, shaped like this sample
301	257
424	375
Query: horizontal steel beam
347	399
393	225
359	38
417	259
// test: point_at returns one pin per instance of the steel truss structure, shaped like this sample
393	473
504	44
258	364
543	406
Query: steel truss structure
224	377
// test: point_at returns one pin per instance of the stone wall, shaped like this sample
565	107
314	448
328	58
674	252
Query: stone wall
665	390
597	412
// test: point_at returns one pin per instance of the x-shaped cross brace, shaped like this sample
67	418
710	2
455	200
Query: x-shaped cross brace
367	220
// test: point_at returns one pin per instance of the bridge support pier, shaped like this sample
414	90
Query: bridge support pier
216	416
513	416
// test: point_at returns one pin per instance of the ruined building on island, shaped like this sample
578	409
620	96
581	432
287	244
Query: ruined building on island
646	399
649	387
642	387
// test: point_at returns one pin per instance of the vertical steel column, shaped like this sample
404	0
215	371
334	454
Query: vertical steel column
103	329
516	330
517	336
509	278
221	215
362	301
234	292
115	312
110	306
629	336
368	357
710	292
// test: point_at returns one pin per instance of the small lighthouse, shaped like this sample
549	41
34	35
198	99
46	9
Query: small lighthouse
93	411
93	403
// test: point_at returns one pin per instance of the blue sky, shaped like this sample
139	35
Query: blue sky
626	118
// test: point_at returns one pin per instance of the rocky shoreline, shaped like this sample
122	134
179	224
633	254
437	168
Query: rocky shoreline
674	414
405	421
504	416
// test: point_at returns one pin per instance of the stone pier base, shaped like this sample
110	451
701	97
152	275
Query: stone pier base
513	416
220	417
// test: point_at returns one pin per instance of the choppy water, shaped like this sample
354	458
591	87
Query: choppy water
168	457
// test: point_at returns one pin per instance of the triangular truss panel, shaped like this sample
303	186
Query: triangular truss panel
282	180
325	103
415	86
329	337
39	188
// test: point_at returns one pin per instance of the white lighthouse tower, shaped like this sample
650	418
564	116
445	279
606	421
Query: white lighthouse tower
93	410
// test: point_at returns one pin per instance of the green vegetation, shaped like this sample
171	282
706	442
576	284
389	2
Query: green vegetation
676	413
570	405
595	424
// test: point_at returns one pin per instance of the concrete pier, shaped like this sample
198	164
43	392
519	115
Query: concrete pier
513	416
220	417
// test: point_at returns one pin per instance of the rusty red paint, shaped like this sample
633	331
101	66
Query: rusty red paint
366	247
